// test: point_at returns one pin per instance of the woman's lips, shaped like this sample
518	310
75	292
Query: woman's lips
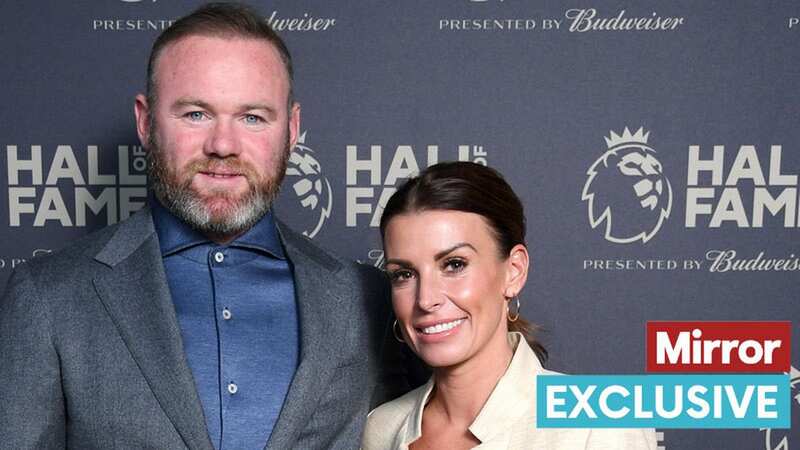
438	330
440	326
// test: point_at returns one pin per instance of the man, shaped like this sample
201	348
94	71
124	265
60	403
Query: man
200	322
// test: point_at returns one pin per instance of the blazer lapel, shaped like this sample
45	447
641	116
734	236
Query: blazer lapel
317	293
135	293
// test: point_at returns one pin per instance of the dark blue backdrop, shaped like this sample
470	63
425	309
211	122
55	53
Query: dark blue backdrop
531	88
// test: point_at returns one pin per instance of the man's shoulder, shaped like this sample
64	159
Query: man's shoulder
76	252
300	245
80	254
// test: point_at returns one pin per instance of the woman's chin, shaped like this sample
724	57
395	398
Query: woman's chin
443	348
443	355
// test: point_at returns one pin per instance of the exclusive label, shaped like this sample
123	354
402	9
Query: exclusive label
663	401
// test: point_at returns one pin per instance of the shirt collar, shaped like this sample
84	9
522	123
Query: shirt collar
513	396
175	235
413	425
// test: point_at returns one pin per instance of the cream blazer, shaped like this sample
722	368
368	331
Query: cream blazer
507	421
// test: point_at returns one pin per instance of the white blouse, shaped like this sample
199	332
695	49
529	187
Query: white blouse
507	421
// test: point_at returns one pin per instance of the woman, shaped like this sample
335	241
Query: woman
454	241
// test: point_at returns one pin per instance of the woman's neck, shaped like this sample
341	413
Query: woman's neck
462	390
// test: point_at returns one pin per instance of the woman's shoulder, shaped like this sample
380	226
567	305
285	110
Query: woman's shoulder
396	410
387	420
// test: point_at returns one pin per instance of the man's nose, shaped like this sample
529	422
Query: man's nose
222	141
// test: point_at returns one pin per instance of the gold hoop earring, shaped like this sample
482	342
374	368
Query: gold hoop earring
397	335
515	316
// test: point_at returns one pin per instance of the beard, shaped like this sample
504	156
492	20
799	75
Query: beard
219	213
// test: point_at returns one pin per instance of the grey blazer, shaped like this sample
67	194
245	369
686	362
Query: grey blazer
91	354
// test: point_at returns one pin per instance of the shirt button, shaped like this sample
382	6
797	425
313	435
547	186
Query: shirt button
226	314
219	257
232	388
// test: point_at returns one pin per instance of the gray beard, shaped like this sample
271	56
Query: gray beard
179	198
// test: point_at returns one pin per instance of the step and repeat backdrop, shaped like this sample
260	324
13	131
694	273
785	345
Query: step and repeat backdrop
655	145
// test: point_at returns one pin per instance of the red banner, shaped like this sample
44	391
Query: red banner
718	347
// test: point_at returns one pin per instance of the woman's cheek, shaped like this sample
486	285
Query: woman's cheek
403	303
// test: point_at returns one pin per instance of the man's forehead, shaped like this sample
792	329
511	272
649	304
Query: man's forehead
209	42
193	47
222	61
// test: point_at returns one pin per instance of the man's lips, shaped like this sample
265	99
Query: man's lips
225	177
220	180
220	174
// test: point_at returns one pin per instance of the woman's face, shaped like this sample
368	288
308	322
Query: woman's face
450	283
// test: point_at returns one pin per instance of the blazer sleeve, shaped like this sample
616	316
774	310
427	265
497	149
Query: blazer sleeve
31	400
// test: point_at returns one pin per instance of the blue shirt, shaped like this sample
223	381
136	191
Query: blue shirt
236	308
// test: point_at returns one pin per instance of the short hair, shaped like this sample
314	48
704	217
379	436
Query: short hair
472	188
225	20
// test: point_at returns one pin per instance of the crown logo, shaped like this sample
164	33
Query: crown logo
639	137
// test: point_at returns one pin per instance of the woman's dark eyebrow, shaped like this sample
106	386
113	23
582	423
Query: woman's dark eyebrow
407	264
400	262
444	253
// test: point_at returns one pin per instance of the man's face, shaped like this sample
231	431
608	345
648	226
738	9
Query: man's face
219	133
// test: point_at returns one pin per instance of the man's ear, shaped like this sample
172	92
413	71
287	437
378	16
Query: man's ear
142	111
294	125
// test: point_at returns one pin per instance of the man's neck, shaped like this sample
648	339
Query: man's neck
223	239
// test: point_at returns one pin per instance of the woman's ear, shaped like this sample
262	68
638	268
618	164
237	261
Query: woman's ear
517	270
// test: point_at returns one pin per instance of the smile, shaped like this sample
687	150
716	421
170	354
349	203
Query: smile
220	175
441	327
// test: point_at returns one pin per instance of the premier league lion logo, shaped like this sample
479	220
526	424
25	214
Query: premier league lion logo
779	439
626	189
310	186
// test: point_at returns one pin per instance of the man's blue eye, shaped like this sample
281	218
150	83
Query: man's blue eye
196	115
251	119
